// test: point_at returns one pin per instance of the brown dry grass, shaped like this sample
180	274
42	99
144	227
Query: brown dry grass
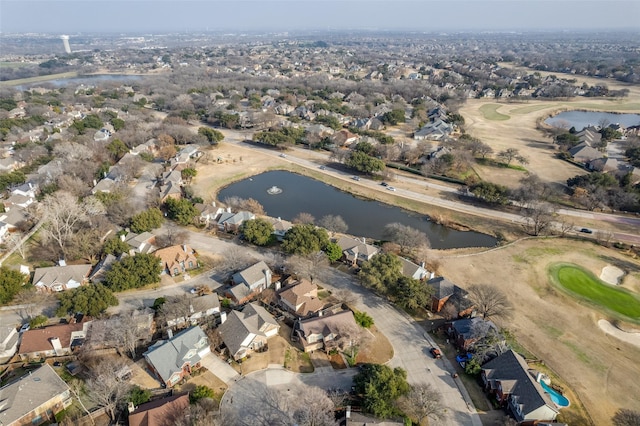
377	350
598	369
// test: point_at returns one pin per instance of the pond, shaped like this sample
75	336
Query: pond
582	119
365	218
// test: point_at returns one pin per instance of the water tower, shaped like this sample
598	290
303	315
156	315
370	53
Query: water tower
65	41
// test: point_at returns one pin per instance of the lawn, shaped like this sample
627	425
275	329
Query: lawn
530	108
580	283
490	112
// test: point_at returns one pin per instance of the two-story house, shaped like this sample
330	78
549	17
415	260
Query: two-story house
249	282
300	298
60	278
177	259
246	331
173	359
355	251
508	378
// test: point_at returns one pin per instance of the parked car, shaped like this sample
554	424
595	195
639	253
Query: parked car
283	155
391	188
384	184
323	168
355	178
586	230
435	352
25	327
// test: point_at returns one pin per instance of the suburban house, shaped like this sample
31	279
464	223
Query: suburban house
301	298
55	340
246	331
173	359
200	307
412	270
103	333
34	398
161	411
583	153
509	379
8	342
101	268
177	259
60	278
208	213
249	282
231	222
140	243
442	291
280	227
356	251
435	130
463	331
323	332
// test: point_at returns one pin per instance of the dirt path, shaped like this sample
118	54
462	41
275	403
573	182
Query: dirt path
602	370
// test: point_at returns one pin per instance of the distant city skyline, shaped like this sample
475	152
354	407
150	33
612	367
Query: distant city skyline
161	16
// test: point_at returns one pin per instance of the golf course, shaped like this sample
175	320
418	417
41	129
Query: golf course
582	284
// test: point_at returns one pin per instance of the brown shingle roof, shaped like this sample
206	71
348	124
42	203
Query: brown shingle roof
40	339
157	413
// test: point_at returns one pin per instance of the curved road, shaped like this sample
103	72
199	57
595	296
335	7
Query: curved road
320	158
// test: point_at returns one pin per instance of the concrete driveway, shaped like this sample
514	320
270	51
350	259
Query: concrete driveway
219	368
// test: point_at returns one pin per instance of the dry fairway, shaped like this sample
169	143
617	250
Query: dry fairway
505	125
603	371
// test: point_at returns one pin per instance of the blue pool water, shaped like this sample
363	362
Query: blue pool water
557	398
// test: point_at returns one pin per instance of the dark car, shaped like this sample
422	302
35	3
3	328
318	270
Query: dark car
436	353
586	230
384	184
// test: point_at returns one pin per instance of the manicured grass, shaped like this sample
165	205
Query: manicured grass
580	283
14	64
490	112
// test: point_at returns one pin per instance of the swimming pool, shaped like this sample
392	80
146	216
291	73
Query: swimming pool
560	400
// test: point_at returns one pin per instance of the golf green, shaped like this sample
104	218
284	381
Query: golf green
582	284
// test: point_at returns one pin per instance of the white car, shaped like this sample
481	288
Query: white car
391	188
283	155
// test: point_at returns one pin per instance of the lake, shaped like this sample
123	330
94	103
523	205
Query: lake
582	119
365	218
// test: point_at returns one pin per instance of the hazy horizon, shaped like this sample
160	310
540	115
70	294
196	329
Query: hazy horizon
138	16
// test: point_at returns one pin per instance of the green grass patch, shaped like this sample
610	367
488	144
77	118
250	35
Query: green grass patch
490	162
490	112
530	108
580	283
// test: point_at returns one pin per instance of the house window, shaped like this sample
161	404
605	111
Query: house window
190	264
175	271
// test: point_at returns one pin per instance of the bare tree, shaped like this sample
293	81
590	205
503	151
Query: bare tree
308	266
313	408
15	241
126	332
626	417
303	219
30	303
333	224
490	301
104	388
422	403
177	310
539	217
172	236
449	311
63	214
508	155
235	259
565	225
345	296
405	236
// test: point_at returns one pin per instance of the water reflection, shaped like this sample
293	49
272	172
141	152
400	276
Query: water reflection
365	218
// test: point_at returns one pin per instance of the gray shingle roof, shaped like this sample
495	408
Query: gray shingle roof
442	287
168	357
252	320
252	274
512	369
29	392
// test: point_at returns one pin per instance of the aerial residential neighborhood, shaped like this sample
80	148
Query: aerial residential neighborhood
318	227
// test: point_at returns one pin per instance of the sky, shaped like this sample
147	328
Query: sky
158	16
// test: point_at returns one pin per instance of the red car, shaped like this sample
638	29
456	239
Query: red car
436	353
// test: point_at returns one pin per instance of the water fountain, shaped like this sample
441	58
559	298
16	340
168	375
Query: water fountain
274	190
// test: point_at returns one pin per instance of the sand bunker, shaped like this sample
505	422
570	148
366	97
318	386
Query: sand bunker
625	336
612	275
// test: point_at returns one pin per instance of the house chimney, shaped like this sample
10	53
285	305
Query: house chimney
348	414
122	237
431	275
277	284
130	407
422	264
184	247
170	333
55	343
223	317
62	262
